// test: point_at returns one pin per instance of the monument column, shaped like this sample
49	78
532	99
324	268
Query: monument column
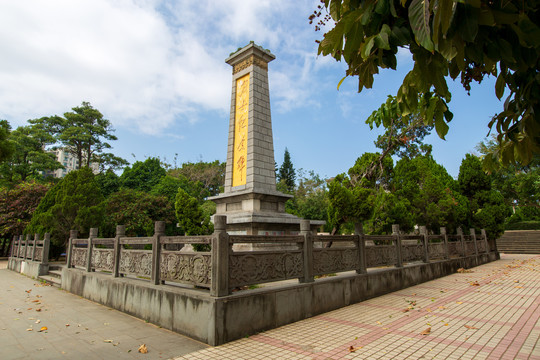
250	200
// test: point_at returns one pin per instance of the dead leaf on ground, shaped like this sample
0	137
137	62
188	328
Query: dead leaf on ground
38	310
475	283
38	321
43	329
108	341
405	310
470	327
29	329
67	325
464	271
426	332
442	307
353	349
459	302
143	349
35	300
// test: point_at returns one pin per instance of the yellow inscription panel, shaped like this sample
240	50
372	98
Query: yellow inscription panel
241	131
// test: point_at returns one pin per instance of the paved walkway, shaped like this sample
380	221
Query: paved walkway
76	328
489	312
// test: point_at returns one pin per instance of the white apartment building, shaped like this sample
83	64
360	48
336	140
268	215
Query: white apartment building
69	162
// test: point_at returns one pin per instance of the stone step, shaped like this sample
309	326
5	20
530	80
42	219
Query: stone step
55	273
54	281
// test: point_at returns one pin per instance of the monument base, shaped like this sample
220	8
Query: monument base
259	213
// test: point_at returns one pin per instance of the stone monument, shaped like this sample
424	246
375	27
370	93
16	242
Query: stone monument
250	200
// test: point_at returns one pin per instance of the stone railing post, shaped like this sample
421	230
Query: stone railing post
15	247
72	235
359	231
159	231
445	239
120	232
305	231
473	237
36	239
220	257
26	249
45	249
20	254
425	236
397	243
484	236
93	234
462	241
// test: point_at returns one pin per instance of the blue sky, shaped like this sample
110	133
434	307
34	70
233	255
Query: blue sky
156	70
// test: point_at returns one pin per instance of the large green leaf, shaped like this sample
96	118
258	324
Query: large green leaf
419	15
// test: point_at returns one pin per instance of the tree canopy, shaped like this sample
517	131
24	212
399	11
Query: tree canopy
461	39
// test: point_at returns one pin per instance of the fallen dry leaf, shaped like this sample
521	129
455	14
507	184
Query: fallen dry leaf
405	310
38	321
38	310
107	341
67	325
35	300
29	329
470	327
43	329
143	349
518	287
459	302
442	307
353	349
378	322
426	332
463	271
475	283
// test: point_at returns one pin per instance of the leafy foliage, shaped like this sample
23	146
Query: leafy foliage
73	203
310	199
138	211
143	175
29	157
84	133
192	218
465	39
210	174
432	194
17	206
404	135
6	148
486	206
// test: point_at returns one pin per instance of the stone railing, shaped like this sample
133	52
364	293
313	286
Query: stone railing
235	261
31	249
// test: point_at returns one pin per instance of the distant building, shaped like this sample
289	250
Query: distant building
69	162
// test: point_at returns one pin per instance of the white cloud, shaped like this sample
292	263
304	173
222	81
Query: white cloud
146	64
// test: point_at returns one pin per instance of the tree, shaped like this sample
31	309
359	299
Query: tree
84	133
192	219
108	182
138	211
72	204
6	148
286	173
310	199
486	206
432	194
29	157
16	208
143	175
210	174
466	39
404	135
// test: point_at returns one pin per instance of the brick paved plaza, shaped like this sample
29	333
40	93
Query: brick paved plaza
491	312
